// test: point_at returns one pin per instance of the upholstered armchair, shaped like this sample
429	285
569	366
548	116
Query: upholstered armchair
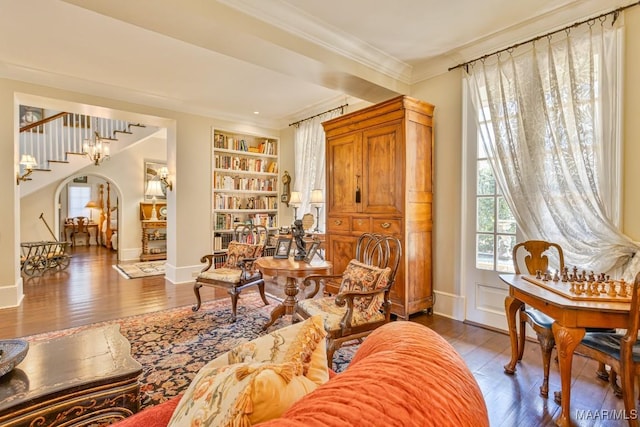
238	271
353	304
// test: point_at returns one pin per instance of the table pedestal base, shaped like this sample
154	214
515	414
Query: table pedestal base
287	306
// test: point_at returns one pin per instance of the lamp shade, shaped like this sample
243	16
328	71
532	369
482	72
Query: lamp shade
92	204
154	188
316	196
295	199
163	172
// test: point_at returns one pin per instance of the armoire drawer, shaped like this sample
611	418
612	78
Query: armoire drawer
361	224
386	226
338	223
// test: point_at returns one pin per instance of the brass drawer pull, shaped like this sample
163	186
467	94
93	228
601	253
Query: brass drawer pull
338	222
385	225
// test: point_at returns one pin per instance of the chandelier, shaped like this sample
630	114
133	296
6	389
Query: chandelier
96	149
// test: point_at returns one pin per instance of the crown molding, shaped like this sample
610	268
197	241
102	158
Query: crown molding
283	15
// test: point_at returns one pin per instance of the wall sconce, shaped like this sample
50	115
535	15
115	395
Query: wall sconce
29	162
317	201
295	201
163	172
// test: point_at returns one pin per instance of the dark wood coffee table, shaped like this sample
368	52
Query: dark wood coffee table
81	379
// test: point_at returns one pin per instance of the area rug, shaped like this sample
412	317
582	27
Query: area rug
172	345
141	269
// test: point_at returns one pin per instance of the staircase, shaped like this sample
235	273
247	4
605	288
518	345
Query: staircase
56	143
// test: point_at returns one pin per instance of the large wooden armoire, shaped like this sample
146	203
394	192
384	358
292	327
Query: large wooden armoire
379	179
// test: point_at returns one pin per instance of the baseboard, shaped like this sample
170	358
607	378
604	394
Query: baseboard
449	305
12	295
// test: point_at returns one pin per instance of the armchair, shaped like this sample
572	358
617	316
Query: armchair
353	304
238	272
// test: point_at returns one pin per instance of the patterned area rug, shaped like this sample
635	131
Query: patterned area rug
172	345
141	269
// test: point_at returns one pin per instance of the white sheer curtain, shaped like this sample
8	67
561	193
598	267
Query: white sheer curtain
548	118
310	161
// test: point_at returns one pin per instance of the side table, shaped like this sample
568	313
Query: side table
82	379
293	270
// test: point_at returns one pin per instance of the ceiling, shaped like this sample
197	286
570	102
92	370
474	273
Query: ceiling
285	59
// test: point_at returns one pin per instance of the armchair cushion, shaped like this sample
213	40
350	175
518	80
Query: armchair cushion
230	275
238	251
333	314
363	277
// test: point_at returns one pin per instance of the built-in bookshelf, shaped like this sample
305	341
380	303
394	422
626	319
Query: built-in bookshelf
245	183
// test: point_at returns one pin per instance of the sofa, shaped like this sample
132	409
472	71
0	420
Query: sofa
403	374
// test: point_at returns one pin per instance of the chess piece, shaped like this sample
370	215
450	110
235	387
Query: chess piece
622	292
612	288
556	277
565	274
538	274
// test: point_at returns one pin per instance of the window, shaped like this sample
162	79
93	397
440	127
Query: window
78	196
495	224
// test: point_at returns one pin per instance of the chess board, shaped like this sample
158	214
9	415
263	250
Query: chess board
607	291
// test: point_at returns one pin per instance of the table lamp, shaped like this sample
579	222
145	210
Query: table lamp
154	188
91	204
316	201
295	201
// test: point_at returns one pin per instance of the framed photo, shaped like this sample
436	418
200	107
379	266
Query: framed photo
80	179
29	115
151	168
311	252
282	248
76	120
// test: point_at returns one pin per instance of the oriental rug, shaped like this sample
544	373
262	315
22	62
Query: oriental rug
141	269
172	345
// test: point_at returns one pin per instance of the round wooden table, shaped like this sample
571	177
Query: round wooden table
293	270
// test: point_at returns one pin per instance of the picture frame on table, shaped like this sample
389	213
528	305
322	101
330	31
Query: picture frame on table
311	252
283	247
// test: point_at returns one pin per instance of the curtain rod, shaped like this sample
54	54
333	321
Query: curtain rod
319	114
615	13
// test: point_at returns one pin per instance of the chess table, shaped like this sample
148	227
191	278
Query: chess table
572	317
84	379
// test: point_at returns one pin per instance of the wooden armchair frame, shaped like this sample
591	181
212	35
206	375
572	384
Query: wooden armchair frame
373	249
242	275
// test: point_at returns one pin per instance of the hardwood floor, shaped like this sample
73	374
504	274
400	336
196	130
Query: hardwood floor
90	291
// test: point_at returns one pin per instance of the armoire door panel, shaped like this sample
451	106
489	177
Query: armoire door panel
341	250
344	173
382	155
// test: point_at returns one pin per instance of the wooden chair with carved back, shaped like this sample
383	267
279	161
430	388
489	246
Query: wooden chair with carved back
238	271
535	259
356	302
534	255
80	228
620	352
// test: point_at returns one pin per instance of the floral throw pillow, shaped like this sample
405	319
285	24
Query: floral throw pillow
238	251
363	277
302	342
241	394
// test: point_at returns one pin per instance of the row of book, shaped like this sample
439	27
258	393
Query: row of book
228	201
227	182
245	164
228	221
228	142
